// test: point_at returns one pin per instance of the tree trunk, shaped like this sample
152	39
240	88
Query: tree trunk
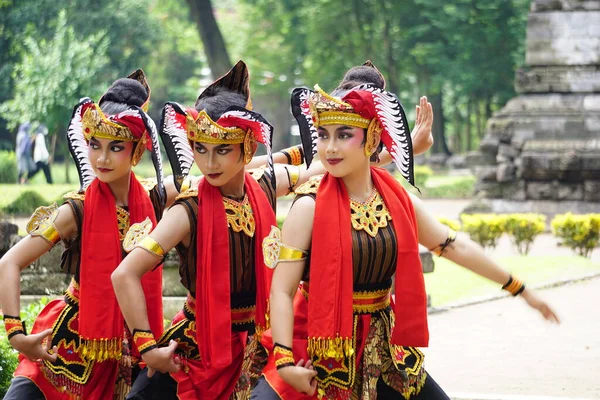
468	127
458	123
202	14
478	119
439	135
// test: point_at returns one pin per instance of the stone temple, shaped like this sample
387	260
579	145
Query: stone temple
541	152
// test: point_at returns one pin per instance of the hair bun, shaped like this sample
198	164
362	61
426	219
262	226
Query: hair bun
126	91
363	74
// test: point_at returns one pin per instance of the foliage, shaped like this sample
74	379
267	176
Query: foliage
8	356
52	75
422	174
8	362
26	203
458	189
484	229
8	167
578	232
451	223
523	229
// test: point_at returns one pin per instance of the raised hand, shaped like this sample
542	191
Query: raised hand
35	346
421	136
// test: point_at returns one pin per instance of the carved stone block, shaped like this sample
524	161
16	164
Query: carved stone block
506	172
541	191
591	192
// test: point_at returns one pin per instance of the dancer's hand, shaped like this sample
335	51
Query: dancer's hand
162	359
535	302
35	346
301	377
421	136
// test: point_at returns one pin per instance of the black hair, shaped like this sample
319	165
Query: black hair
121	94
219	100
357	76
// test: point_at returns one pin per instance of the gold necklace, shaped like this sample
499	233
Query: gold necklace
369	215
239	215
122	222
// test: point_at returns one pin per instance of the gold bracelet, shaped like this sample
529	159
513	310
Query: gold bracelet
293	154
41	224
514	286
284	357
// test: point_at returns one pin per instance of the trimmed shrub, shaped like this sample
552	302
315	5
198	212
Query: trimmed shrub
451	223
523	229
484	229
8	167
422	174
578	232
26	203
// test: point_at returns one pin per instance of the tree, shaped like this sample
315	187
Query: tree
202	13
51	76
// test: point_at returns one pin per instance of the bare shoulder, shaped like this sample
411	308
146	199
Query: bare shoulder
297	227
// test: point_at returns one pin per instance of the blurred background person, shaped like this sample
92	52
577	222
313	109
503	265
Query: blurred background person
41	156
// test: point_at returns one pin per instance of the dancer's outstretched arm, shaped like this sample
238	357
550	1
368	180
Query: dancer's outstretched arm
468	254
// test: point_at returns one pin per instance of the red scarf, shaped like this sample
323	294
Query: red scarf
331	270
213	307
101	324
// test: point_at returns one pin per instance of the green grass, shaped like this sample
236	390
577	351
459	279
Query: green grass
51	193
450	283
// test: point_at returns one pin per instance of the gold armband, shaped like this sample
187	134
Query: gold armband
439	251
275	252
41	224
137	236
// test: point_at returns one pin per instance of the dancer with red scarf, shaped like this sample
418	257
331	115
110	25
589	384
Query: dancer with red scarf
217	227
345	237
79	347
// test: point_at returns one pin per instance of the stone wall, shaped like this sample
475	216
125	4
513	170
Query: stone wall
544	145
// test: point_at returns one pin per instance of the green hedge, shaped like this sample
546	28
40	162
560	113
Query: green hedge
8	167
578	232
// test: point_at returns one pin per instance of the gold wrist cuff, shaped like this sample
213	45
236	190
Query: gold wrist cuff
41	224
274	251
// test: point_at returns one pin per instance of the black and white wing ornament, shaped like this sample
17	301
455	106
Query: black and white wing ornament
78	146
175	139
396	132
302	113
156	156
